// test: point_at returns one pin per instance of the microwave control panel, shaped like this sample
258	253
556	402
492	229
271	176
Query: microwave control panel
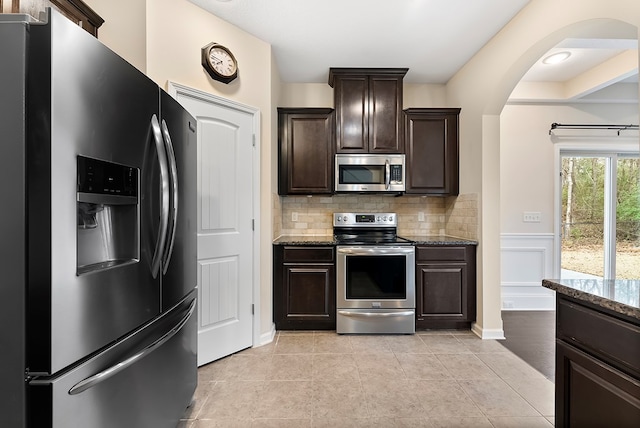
396	174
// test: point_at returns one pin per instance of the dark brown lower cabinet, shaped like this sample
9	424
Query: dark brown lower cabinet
304	287
445	287
597	368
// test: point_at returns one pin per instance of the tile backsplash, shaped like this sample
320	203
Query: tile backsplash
454	216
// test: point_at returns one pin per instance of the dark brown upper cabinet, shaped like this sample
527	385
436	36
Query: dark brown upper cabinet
368	105
432	151
305	151
76	10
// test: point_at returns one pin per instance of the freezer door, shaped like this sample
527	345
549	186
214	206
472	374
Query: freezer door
90	278
147	380
179	261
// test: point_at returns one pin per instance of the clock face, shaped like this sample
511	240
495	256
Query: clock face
222	62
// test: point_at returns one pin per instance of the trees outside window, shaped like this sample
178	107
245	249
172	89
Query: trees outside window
600	219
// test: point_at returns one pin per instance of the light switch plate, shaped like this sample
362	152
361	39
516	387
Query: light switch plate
531	217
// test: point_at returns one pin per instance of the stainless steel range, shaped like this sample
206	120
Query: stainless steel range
375	275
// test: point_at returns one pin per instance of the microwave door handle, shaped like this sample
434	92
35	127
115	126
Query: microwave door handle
173	169
164	207
387	174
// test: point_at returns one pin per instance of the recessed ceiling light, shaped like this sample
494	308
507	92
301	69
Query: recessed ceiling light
556	57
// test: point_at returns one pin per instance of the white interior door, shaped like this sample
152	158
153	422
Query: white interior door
226	165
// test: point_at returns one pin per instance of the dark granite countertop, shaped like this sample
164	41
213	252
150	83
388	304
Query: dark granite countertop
621	296
330	240
305	240
439	240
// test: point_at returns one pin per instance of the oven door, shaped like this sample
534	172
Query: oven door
375	277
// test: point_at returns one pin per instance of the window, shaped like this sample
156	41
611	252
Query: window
600	215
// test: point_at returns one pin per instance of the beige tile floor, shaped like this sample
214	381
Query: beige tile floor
321	379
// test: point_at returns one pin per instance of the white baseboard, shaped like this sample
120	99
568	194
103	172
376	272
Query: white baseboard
528	299
487	333
267	337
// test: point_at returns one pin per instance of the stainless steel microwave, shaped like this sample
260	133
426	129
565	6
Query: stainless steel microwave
370	173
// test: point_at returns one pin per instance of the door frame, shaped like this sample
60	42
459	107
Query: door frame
603	147
176	89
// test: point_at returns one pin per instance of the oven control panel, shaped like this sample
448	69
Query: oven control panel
365	219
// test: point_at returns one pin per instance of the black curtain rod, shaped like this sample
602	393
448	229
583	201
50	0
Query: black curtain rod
591	126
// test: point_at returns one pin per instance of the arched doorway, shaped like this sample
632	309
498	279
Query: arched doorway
482	88
529	173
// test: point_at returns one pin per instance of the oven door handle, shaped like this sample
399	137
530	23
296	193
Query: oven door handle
377	314
405	250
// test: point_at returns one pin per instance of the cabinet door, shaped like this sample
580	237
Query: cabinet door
441	292
306	151
590	393
432	151
310	296
351	98
385	115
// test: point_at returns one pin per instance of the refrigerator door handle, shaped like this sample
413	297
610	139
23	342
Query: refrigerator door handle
95	379
173	169
164	207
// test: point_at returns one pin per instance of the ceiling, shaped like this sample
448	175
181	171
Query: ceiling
433	38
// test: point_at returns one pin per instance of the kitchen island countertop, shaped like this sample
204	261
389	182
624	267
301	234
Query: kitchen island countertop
621	296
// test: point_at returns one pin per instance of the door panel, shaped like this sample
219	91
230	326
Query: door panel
219	281
225	168
108	118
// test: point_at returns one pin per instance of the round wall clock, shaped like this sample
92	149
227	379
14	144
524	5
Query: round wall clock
219	62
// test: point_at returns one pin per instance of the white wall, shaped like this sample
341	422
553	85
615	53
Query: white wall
124	33
528	154
321	95
481	89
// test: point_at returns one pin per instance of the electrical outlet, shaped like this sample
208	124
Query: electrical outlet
531	217
294	216
420	216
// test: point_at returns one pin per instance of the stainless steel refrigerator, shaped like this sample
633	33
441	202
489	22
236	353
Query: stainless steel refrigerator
97	235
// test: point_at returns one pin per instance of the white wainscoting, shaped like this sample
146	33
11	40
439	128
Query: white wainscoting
526	259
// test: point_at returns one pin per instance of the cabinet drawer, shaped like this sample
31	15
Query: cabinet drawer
308	254
615	340
441	253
